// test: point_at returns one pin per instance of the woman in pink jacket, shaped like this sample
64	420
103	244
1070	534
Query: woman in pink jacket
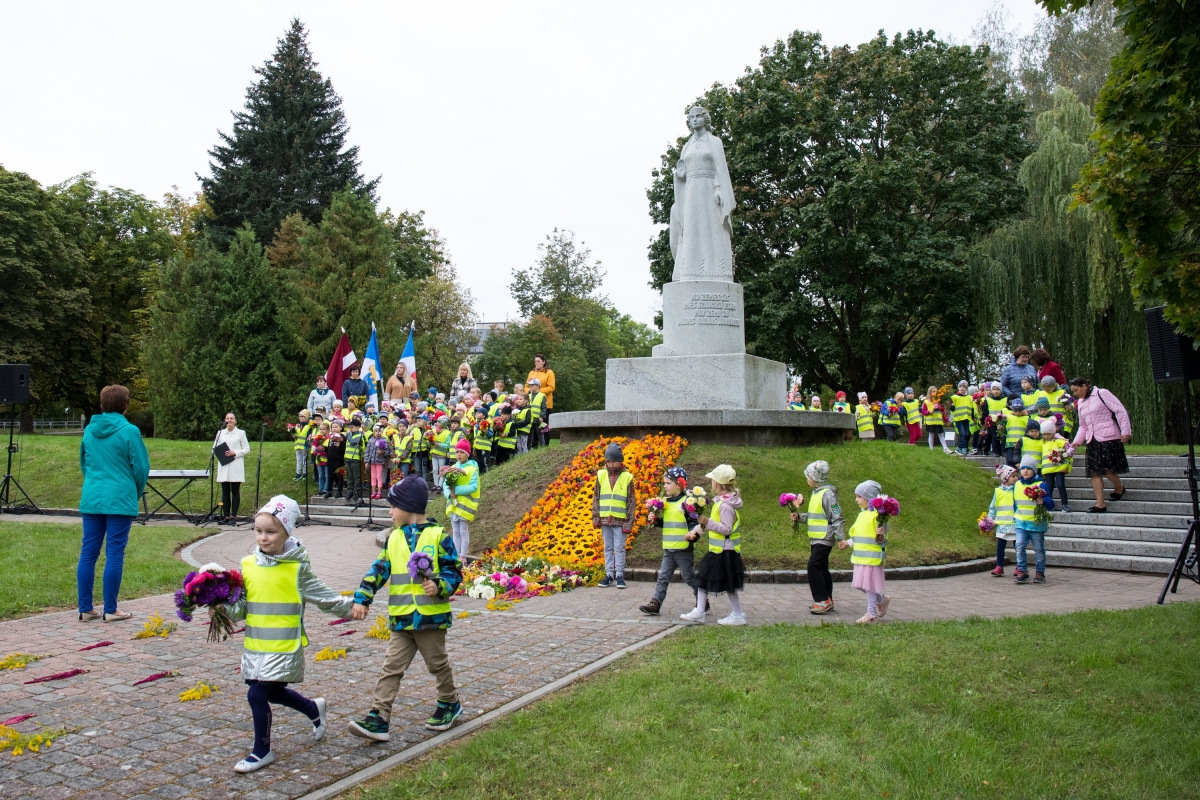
1104	426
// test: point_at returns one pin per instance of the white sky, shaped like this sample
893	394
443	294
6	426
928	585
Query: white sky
500	120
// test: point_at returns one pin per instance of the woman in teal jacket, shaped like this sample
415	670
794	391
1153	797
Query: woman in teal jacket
115	465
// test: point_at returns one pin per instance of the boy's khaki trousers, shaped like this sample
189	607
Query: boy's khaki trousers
402	647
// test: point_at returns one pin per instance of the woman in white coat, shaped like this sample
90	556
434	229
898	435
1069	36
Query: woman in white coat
231	476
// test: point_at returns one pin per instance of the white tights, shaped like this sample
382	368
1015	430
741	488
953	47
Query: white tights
938	437
735	602
873	601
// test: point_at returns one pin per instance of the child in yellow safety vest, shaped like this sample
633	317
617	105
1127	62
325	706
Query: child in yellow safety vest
300	430
864	419
961	407
462	496
840	405
278	583
825	526
481	440
1015	420
912	414
992	408
1000	512
868	537
933	414
613	511
1031	442
1056	460
678	538
721	569
440	449
889	416
417	600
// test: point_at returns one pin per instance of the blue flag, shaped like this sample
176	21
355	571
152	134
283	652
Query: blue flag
371	369
409	358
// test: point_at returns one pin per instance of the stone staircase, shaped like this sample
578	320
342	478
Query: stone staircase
1141	532
344	513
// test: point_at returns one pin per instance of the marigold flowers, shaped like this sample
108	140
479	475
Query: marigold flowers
18	743
380	630
329	654
155	627
198	692
18	660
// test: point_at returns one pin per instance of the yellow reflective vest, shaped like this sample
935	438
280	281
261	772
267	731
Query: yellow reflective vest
612	495
674	523
274	607
960	407
406	595
862	418
912	412
716	541
818	523
465	505
1003	500
866	551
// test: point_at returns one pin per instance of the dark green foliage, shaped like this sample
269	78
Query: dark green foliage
124	240
44	299
287	153
213	329
1054	277
508	356
862	176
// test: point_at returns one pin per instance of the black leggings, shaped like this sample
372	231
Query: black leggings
819	579
260	696
231	497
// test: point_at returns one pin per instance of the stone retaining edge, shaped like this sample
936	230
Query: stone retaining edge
841	575
472	725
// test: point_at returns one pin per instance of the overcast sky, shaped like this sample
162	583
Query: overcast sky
501	121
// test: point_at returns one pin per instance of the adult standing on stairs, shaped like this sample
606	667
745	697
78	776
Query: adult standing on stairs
1104	426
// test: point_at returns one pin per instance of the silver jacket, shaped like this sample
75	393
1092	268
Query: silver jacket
288	667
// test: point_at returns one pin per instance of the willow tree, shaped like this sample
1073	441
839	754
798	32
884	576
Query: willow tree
1054	276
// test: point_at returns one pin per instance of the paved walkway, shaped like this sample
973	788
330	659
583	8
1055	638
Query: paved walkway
142	742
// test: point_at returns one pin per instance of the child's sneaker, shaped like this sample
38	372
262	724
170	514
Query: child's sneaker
319	726
695	615
1065	509
1039	577
883	605
444	716
607	582
1022	577
620	581
866	619
732	619
653	607
373	726
823	607
998	572
252	762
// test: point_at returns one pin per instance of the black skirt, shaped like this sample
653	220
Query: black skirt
1104	457
721	572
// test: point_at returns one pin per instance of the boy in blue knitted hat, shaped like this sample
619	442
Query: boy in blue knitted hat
678	544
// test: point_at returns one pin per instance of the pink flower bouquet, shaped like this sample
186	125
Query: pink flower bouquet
884	506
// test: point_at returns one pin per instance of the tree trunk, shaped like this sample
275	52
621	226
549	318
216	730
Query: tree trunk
26	422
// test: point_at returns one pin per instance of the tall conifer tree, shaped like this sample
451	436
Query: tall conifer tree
287	153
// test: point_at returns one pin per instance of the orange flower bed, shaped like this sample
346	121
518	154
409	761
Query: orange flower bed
559	526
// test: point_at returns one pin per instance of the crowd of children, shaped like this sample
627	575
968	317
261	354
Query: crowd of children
981	418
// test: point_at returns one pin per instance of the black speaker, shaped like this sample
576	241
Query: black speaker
1173	356
14	384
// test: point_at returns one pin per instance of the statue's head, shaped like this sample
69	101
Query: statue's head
698	117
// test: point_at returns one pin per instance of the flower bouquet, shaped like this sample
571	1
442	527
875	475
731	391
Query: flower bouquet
697	499
452	474
1035	493
420	567
884	506
210	586
792	503
987	525
655	505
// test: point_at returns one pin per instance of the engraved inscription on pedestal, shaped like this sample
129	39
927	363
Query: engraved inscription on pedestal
711	308
702	317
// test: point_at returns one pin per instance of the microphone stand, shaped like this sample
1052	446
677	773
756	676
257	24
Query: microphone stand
370	524
211	515
307	519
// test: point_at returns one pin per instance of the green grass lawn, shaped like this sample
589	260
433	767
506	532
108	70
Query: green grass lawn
1086	705
38	563
48	468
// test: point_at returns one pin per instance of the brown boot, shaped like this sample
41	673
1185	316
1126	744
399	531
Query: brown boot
653	607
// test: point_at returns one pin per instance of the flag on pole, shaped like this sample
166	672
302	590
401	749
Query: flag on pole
370	369
409	357
339	365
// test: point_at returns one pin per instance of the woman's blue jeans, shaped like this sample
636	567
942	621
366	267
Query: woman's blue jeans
112	531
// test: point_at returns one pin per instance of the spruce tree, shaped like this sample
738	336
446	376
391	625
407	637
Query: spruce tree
287	152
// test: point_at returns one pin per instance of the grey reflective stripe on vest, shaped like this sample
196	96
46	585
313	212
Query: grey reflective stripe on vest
274	609
864	540
257	632
736	539
403	579
682	525
674	537
421	599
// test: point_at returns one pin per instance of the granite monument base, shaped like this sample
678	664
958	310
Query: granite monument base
746	427
702	317
707	382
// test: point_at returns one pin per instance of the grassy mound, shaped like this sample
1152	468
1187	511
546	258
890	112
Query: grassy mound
38	561
1101	706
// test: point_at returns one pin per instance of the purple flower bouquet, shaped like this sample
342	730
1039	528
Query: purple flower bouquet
210	586
420	567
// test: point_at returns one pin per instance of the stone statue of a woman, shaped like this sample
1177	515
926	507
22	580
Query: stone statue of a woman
700	223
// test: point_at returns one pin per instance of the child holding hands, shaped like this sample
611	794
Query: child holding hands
677	524
721	569
278	582
1000	512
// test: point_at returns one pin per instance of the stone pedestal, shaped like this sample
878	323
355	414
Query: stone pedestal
701	318
700	382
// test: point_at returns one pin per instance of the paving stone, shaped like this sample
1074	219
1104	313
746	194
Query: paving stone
170	791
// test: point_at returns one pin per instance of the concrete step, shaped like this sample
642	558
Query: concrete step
1146	534
350	522
1109	561
1134	482
1080	471
1113	547
1170	496
1115	520
1082	499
